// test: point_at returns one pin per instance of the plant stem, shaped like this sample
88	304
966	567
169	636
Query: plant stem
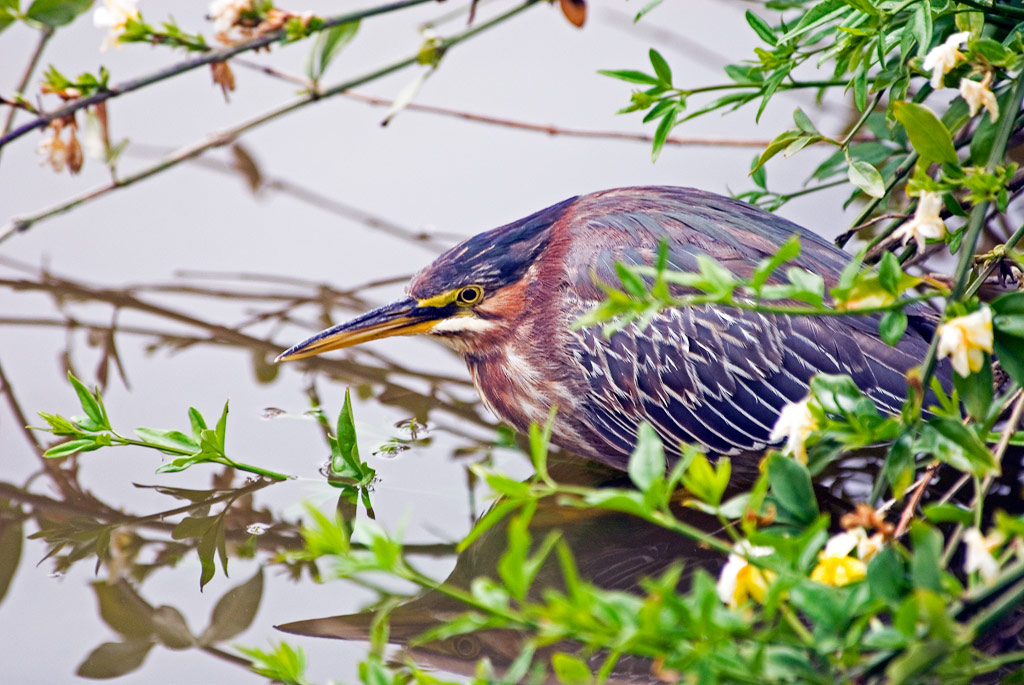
18	225
194	63
1007	246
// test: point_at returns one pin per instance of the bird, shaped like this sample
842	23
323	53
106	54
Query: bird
709	376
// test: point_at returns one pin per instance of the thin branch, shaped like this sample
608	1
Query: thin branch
19	416
549	129
18	225
194	63
33	61
553	130
427	240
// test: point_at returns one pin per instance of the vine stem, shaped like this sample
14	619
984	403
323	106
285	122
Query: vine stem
194	63
18	225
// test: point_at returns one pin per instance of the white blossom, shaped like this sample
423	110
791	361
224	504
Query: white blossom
977	95
114	16
740	579
926	224
979	554
795	423
941	59
965	339
225	13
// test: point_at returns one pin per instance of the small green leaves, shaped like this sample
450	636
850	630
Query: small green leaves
762	28
866	177
327	45
661	68
1008	333
92	405
791	490
647	464
93	431
927	133
348	472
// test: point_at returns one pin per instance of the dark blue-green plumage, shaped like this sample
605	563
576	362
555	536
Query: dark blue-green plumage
712	376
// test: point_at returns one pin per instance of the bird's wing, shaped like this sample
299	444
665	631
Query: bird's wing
710	375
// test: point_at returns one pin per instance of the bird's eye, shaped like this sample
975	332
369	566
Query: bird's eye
470	295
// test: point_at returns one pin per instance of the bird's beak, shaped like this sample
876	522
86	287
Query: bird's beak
404	317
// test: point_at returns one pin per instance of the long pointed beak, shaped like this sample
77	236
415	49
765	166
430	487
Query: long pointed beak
404	317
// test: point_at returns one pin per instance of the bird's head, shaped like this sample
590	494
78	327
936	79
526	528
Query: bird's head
470	293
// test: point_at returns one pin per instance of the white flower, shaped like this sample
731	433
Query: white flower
926	222
740	580
225	13
941	59
966	339
835	565
868	547
795	423
977	95
979	554
114	15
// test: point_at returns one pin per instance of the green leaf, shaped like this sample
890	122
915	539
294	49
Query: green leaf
66	449
171	439
197	422
945	513
926	565
766	267
927	133
886	575
802	121
569	670
56	13
661	68
791	486
921	25
951	441
222	427
631	76
866	177
327	46
235	611
661	133
762	28
976	390
90	404
647	463
889	272
892	326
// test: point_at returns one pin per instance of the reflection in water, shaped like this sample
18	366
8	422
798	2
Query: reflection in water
612	550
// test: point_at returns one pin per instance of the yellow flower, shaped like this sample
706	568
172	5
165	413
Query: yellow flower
978	95
926	224
114	15
795	423
835	565
941	59
979	555
965	339
740	580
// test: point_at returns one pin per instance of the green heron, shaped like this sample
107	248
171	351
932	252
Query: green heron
506	299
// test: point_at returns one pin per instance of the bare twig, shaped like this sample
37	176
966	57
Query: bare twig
549	129
225	137
915	498
33	61
194	63
19	416
553	130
